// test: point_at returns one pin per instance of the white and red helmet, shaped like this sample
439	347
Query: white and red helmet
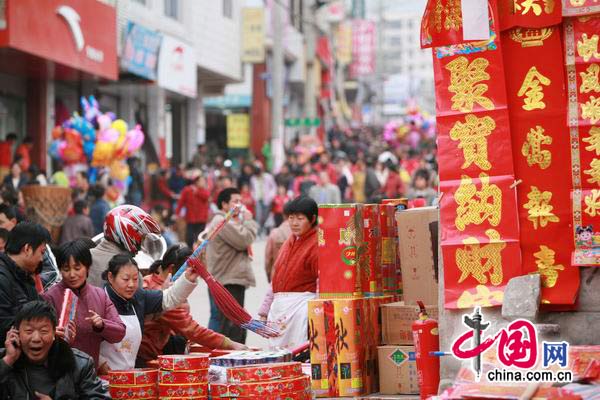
127	226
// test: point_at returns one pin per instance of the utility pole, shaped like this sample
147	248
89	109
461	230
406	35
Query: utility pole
277	81
310	97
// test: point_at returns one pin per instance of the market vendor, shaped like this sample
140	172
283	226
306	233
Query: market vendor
134	304
295	278
159	332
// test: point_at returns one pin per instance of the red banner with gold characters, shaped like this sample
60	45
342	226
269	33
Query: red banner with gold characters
537	101
529	13
441	24
478	209
573	8
582	59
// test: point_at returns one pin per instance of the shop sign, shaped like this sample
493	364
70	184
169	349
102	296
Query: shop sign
238	131
140	52
177	67
253	35
81	35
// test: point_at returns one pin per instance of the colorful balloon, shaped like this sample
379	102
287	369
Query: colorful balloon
120	126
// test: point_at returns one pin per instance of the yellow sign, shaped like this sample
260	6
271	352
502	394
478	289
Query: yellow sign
253	35
344	43
238	131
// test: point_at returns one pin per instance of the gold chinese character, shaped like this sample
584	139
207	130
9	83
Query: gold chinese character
472	136
475	207
591	109
577	3
477	261
483	297
452	15
546	268
528	5
464	83
347	236
532	148
532	90
592	201
540	210
320	237
593	140
589	79
588	47
594	172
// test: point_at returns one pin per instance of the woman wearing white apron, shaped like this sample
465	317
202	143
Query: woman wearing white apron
133	305
295	278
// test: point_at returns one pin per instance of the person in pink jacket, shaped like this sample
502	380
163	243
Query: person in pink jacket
96	318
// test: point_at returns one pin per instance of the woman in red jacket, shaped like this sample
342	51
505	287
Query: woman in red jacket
296	271
194	198
178	321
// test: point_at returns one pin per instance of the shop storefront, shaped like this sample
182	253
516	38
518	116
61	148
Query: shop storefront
45	68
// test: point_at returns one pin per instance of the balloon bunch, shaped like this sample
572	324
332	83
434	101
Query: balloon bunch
411	129
98	139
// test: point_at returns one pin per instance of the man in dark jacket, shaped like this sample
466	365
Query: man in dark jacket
79	225
36	364
24	253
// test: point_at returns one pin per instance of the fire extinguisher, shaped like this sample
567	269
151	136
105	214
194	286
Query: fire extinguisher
426	338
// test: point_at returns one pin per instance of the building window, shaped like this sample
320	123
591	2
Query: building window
172	8
228	8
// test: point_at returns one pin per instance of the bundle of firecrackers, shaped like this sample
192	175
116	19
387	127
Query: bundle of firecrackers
97	140
270	381
358	271
178	377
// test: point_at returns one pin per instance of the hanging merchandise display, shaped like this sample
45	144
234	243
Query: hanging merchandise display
537	101
478	209
582	59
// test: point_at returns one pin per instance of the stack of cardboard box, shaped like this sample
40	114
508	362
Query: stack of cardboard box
417	233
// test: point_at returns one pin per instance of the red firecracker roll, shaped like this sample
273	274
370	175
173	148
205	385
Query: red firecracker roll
142	376
134	392
178	377
264	372
183	390
260	389
68	310
190	362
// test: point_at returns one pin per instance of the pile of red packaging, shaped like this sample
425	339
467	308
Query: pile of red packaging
135	384
264	381
183	376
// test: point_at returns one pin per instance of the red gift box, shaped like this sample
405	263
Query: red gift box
264	372
340	246
371	278
133	392
388	248
183	390
133	377
260	389
179	377
302	395
190	362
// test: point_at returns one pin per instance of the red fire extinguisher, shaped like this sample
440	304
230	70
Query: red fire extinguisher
427	340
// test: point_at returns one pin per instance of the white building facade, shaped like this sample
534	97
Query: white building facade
199	54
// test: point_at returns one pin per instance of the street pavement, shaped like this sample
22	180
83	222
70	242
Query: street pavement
200	306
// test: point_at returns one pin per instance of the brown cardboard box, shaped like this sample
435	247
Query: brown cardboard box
398	370
418	243
396	321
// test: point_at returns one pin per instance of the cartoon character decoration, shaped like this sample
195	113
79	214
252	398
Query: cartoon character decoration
584	236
